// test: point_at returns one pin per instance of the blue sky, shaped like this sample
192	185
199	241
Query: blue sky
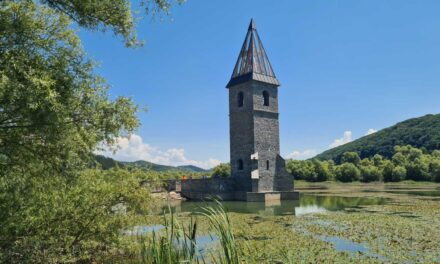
345	67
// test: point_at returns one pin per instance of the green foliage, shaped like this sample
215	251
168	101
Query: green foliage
223	170
221	225
324	170
176	244
301	170
387	170
59	220
378	160
422	132
54	109
54	113
108	163
116	15
407	163
370	173
351	157
398	174
311	170
347	172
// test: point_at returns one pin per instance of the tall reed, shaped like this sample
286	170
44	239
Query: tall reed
220	223
177	244
174	244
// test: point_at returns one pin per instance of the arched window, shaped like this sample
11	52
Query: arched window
240	164
240	99
267	165
266	98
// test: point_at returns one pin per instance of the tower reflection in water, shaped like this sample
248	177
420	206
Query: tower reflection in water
305	205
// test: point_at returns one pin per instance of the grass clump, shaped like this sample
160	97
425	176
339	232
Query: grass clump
174	244
221	224
177	243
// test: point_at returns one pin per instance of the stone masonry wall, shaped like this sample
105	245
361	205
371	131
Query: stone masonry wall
206	189
254	127
266	134
241	128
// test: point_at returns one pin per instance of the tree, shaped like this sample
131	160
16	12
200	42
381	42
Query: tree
223	170
302	170
351	157
387	171
347	172
53	108
399	159
116	15
418	170
370	173
398	174
366	162
323	170
436	153
435	170
377	160
54	112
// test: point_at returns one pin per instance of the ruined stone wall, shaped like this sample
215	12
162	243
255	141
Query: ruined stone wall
206	189
283	180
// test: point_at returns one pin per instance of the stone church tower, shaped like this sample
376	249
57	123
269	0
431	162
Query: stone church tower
256	164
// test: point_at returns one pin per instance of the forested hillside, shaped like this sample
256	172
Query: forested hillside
422	132
108	163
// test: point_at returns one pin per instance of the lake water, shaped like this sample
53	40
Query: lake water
375	240
307	203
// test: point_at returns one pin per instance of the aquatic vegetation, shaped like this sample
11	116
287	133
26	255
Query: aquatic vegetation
396	227
172	244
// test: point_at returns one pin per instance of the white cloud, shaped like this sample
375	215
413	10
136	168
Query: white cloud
310	153
301	155
347	137
133	148
370	131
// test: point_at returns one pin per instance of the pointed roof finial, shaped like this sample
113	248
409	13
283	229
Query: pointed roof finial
252	62
252	25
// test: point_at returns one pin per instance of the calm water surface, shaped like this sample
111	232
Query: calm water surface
308	203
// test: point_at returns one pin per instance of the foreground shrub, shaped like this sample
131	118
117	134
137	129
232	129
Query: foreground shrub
56	220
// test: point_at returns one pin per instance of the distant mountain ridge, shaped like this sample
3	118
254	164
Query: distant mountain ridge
422	132
108	163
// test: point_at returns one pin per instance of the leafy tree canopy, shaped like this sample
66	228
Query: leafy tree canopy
117	15
222	170
53	108
407	163
54	112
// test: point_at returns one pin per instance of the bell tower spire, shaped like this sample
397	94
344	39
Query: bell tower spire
252	62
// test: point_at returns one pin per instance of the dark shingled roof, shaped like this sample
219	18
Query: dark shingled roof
252	63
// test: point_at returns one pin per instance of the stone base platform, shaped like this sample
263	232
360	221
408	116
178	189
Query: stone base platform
271	196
